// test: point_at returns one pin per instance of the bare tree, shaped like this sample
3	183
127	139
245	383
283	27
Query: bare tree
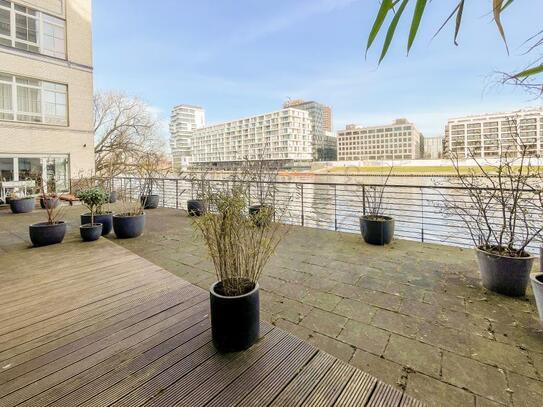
125	131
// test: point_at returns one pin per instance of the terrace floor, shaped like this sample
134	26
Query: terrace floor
93	324
413	315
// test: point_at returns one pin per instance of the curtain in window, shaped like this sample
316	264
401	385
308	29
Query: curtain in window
5	97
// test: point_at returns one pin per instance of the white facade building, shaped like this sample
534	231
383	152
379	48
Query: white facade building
491	135
279	136
184	121
400	140
433	147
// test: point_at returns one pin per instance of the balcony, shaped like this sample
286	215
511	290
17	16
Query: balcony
411	314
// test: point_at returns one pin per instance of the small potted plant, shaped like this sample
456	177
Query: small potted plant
21	203
239	250
197	205
50	232
149	171
130	221
376	228
101	215
93	198
498	211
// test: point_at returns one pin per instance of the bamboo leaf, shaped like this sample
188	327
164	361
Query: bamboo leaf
507	4
530	72
415	23
448	19
392	29
386	6
458	21
497	8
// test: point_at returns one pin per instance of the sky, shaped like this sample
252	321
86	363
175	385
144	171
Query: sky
238	58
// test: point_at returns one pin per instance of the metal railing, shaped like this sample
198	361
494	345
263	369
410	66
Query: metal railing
417	210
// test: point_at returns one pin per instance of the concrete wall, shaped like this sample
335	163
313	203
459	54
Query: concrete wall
77	139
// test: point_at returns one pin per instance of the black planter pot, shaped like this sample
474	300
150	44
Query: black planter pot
49	203
23	205
261	218
377	230
113	197
504	275
44	234
196	207
235	321
537	286
106	219
127	227
90	233
150	201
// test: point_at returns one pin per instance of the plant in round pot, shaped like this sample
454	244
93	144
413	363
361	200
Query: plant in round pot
101	214
499	204
149	171
130	221
22	204
94	199
239	250
51	200
50	232
376	228
196	206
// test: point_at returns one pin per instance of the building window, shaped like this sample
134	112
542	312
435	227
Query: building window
32	30
31	100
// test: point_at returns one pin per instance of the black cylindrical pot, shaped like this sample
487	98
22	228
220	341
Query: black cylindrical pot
90	233
45	234
537	286
196	207
127	227
150	201
261	218
113	197
50	203
235	321
23	205
504	275
106	219
378	230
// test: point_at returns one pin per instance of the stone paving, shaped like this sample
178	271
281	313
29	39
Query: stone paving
414	315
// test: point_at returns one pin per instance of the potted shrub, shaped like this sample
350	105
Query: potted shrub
50	200
496	205
101	215
22	204
150	172
376	228
91	228
50	232
239	250
130	221
197	205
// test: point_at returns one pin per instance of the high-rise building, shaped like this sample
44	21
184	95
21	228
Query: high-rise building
492	134
433	147
400	140
46	92
184	121
281	137
323	140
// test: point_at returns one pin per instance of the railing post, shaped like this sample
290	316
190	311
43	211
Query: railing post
176	193
422	214
302	214
249	192
130	188
335	207
273	202
163	193
364	200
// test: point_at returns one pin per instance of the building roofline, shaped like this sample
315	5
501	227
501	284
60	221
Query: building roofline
253	116
482	115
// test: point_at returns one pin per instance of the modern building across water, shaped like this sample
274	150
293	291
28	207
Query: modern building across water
433	147
322	137
493	134
281	137
184	120
46	92
400	140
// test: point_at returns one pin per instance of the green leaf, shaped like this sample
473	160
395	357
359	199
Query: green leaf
392	29
415	23
530	72
386	6
458	21
497	8
507	4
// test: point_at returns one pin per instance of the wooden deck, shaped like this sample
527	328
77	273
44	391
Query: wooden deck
96	325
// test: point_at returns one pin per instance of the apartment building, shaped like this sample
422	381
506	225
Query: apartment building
46	92
184	120
400	140
282	137
323	139
493	134
433	148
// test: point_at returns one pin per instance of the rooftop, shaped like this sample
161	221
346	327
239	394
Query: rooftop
411	314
